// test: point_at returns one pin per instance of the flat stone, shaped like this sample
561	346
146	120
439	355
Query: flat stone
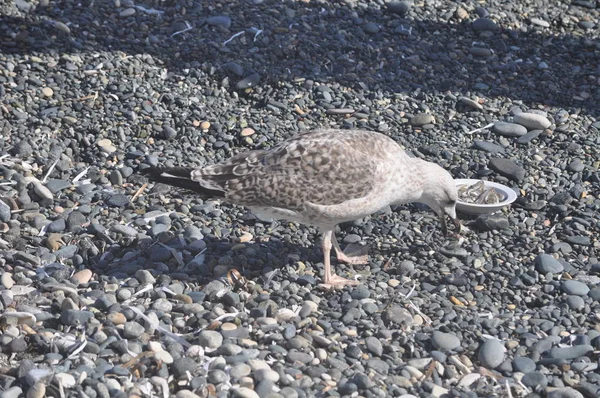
545	263
471	103
507	168
488	147
573	352
524	364
445	341
575	287
564	392
484	24
492	222
422	119
399	7
576	166
535	380
532	121
530	136
222	21
245	392
540	22
509	129
127	12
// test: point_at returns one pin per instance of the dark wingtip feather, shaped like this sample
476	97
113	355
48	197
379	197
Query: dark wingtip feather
179	177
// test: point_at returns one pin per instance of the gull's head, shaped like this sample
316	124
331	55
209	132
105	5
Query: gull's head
440	193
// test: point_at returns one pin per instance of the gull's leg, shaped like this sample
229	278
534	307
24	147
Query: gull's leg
331	279
356	254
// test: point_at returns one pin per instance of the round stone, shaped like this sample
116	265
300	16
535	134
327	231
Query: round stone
266	374
535	380
210	339
82	277
524	364
445	341
491	353
48	92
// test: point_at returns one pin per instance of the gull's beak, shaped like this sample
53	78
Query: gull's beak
455	221
457	224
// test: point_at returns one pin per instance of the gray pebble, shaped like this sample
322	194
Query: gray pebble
575	303
445	341
545	263
491	353
530	136
222	21
5	212
374	346
575	287
492	222
570	352
75	317
535	380
565	392
210	339
488	147
399	7
133	330
484	24
510	129
12	392
507	168
371	27
421	119
532	121
524	364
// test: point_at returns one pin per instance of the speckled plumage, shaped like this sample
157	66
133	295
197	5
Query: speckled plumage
322	177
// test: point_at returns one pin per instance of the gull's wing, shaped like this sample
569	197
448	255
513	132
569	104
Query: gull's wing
323	167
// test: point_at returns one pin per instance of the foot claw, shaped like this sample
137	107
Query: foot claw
338	281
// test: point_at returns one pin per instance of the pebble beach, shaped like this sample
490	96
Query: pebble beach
113	287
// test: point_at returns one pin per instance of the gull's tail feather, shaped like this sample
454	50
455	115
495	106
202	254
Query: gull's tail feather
180	177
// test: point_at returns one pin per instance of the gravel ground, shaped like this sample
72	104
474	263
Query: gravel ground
114	288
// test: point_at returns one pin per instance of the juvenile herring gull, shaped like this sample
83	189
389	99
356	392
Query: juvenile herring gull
323	178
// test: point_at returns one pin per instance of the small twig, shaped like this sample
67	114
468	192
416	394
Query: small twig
411	291
50	170
233	37
139	192
149	10
201	254
256	32
80	348
189	27
81	175
479	129
270	278
159	328
508	392
418	311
